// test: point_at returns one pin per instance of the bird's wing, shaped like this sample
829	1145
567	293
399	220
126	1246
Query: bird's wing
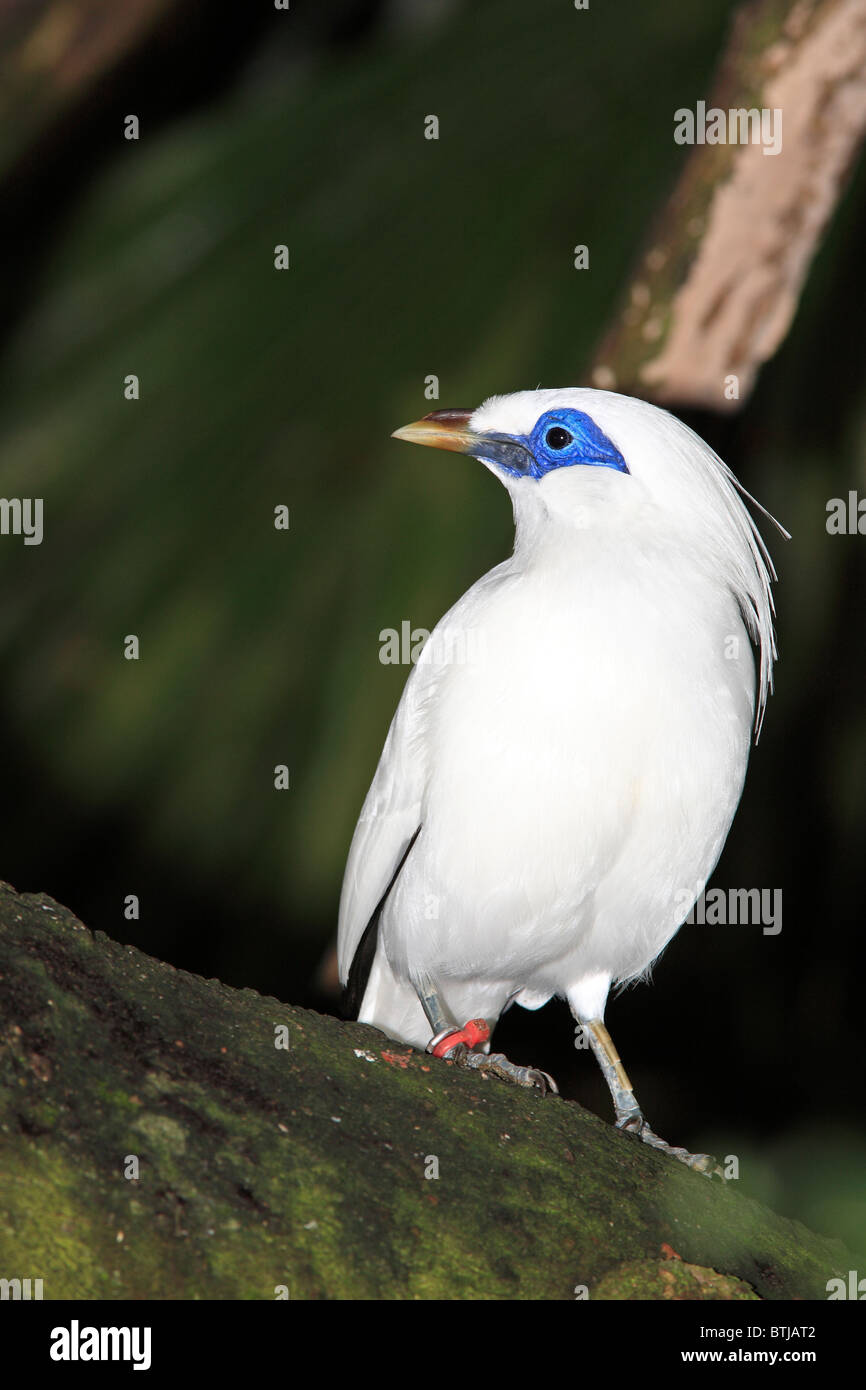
392	812
389	819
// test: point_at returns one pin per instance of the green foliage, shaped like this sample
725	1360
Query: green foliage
261	387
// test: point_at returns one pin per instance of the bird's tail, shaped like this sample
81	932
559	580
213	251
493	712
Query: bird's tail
393	1005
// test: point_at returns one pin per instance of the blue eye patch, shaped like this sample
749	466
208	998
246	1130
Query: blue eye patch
560	439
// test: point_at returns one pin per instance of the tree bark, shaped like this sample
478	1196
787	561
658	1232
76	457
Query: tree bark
54	51
720	276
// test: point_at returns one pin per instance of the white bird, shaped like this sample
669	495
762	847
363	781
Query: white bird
569	751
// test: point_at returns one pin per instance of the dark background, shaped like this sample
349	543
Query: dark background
408	257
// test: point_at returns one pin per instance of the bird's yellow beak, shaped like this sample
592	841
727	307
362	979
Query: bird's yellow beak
443	429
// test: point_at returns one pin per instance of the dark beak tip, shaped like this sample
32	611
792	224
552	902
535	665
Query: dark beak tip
450	417
441	429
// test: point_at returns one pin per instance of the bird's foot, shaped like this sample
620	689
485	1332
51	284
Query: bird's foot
497	1064
457	1045
633	1122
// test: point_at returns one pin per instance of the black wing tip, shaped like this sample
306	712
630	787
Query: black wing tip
359	973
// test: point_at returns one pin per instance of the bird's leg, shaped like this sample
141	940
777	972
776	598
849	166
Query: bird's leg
629	1115
431	1002
458	1045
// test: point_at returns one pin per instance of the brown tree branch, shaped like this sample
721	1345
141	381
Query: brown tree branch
717	285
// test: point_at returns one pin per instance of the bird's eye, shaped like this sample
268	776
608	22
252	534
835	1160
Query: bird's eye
557	437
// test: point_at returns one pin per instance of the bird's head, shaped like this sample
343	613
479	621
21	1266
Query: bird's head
597	459
530	440
589	457
590	460
562	437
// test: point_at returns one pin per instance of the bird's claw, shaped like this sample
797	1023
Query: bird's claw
634	1123
497	1064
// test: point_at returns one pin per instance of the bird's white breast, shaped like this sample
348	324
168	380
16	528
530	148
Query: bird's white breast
585	758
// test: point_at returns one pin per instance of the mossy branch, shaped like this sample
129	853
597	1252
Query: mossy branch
311	1167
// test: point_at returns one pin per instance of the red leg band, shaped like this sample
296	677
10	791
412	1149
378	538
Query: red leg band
472	1033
